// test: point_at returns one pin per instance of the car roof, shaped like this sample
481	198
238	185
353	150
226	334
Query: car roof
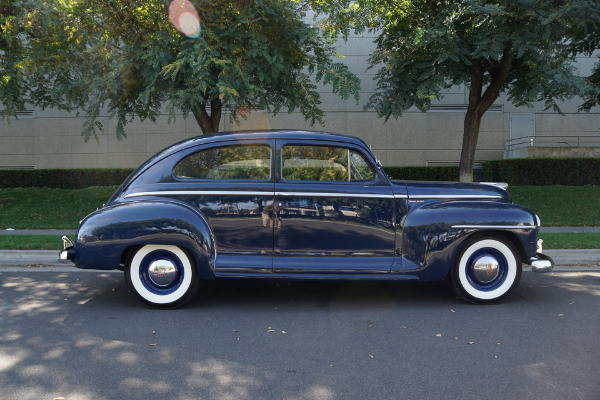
244	135
257	134
265	134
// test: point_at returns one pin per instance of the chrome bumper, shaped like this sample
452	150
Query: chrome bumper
541	262
68	253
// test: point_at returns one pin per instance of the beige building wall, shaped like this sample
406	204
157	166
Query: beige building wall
52	139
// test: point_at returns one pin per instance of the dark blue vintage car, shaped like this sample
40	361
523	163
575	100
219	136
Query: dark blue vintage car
301	205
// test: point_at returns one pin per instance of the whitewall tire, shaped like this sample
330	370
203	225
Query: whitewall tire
486	270
162	275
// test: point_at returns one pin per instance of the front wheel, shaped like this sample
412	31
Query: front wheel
162	276
486	270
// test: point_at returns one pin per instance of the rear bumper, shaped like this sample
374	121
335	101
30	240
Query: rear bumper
542	263
68	252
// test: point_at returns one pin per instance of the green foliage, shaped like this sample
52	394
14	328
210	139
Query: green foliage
544	171
592	96
425	47
524	48
126	58
63	178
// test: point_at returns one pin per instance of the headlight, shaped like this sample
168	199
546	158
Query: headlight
538	223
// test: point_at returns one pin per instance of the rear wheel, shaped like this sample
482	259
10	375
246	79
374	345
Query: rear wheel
486	270
162	276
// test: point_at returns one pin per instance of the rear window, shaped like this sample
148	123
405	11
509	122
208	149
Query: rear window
230	162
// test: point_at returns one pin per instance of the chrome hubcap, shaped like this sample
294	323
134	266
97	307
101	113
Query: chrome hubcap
162	272
486	268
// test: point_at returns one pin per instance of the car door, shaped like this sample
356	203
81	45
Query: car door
334	210
232	184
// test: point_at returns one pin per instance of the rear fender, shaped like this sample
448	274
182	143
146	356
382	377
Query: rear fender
104	237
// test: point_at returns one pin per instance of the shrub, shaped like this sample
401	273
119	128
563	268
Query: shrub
445	173
544	171
63	178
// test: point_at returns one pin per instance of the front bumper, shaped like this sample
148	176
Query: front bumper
541	262
68	253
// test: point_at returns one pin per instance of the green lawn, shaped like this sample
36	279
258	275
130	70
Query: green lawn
64	208
569	240
561	205
49	208
31	242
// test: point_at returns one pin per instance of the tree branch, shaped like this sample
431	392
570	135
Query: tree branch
499	76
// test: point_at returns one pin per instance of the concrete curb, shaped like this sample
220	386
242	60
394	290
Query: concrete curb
44	232
570	229
36	260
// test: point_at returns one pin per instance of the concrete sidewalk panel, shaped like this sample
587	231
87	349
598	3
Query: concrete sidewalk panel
31	257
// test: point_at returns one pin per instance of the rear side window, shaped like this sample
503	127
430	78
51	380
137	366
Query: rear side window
231	162
324	163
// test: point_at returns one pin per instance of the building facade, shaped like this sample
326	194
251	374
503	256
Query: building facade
52	139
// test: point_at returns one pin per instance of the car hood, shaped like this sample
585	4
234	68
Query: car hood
450	191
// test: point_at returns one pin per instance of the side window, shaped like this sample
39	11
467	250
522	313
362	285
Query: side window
360	170
231	162
323	163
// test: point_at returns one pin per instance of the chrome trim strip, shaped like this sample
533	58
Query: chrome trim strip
501	185
458	196
253	193
329	194
493	227
199	192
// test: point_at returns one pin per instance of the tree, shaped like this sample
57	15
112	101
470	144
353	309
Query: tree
136	57
525	48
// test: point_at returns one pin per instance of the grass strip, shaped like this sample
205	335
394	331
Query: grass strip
551	241
561	205
34	208
30	242
571	240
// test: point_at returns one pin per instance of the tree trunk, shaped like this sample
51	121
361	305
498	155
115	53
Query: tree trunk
209	123
470	136
479	102
471	125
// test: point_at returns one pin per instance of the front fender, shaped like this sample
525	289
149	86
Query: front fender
105	235
435	231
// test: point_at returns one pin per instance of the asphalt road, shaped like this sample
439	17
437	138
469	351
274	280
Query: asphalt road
81	335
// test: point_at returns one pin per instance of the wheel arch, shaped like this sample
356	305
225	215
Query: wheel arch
108	238
509	236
